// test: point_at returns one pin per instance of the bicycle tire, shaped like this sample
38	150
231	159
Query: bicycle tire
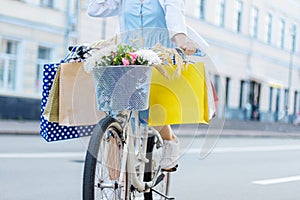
163	186
104	141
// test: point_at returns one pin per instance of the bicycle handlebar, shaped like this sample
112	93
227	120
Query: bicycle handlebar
79	52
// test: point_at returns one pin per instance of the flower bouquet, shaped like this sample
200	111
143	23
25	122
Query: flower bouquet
122	74
118	55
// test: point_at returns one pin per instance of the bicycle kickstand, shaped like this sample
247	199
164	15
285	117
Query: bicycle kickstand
166	197
158	180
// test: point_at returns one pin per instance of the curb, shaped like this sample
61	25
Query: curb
19	127
234	133
231	128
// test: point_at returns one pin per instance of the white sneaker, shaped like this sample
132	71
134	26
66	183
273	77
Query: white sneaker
170	155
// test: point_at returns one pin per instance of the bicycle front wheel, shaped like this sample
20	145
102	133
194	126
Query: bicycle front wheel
102	168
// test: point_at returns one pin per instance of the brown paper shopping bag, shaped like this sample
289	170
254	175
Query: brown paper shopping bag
77	99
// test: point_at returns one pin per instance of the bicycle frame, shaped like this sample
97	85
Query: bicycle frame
128	159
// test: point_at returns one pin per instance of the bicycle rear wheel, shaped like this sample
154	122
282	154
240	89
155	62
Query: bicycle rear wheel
102	167
151	168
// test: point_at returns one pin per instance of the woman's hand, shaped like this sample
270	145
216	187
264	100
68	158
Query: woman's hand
185	43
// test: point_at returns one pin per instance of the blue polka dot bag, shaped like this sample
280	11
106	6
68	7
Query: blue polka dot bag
52	131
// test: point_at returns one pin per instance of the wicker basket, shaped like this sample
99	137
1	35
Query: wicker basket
122	87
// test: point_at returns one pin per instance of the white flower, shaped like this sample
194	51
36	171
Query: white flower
150	56
90	62
97	57
111	55
106	51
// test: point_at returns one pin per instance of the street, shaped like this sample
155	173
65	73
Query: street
239	168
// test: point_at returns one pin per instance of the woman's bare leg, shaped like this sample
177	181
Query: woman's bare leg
165	132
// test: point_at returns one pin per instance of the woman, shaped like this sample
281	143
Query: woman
156	21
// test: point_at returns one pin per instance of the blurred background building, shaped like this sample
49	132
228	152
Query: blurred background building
254	43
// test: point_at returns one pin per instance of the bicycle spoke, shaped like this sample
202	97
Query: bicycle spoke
103	161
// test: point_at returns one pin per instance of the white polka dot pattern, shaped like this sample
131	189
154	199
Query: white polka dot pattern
52	131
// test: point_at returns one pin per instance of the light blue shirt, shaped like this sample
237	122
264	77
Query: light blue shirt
145	15
144	20
173	12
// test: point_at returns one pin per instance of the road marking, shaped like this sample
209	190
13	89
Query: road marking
277	180
189	151
246	149
42	155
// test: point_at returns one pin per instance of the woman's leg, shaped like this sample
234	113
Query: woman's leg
165	132
170	156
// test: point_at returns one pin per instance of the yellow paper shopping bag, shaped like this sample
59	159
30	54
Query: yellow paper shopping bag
180	100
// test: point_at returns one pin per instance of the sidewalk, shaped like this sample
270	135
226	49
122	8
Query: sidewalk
227	128
19	127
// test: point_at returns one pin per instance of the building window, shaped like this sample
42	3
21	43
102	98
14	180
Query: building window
221	13
200	9
286	99
47	3
298	102
254	22
268	33
44	56
238	16
227	86
282	33
294	38
277	105
217	82
8	64
295	103
271	99
241	104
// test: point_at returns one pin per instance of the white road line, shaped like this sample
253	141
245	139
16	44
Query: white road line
189	151
247	149
42	155
277	180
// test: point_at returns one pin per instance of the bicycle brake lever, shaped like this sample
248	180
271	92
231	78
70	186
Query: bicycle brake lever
199	53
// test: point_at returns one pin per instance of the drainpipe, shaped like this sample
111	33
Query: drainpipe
71	31
68	26
249	65
103	30
75	23
290	76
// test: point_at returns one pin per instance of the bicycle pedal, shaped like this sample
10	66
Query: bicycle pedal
159	179
173	169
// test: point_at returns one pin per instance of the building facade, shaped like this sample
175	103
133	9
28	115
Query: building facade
32	33
254	44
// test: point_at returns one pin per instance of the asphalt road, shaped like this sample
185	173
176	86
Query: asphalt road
243	168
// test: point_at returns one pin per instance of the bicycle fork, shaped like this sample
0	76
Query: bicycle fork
139	185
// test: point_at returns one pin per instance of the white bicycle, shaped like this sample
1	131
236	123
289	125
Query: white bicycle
123	156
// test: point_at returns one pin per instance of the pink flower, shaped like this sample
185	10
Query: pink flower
114	54
133	57
125	61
